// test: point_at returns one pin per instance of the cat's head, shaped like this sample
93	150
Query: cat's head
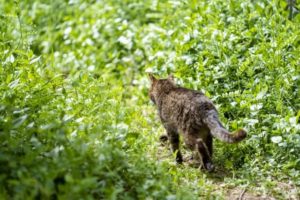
158	86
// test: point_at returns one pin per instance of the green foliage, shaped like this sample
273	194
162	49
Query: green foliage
75	118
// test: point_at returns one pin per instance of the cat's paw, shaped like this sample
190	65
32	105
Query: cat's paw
209	167
163	139
179	159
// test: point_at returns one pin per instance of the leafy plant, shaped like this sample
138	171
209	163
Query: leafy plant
76	121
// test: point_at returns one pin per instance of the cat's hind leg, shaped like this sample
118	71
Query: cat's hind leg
209	144
204	150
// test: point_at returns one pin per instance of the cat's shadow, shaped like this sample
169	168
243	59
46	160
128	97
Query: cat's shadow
217	175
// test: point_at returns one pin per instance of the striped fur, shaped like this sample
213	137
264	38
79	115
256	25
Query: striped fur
191	113
219	132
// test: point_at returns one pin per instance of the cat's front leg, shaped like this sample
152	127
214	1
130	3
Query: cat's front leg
173	137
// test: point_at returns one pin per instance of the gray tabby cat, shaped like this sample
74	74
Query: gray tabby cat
191	113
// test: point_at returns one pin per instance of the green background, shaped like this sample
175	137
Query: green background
76	121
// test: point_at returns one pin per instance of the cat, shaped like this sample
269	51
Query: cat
194	115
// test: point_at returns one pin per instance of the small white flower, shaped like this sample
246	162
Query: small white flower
276	139
126	42
91	68
256	106
68	30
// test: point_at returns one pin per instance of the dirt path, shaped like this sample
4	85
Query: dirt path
279	190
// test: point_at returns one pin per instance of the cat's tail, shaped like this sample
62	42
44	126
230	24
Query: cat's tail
219	132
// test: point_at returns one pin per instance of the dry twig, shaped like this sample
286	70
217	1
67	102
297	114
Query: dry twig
242	194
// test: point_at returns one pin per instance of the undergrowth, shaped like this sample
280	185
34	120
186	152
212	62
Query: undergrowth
76	121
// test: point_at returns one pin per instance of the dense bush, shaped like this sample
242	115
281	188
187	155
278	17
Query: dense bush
75	117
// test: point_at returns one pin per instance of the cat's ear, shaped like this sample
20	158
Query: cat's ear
171	78
151	77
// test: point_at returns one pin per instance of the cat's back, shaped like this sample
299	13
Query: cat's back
188	100
185	96
186	108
